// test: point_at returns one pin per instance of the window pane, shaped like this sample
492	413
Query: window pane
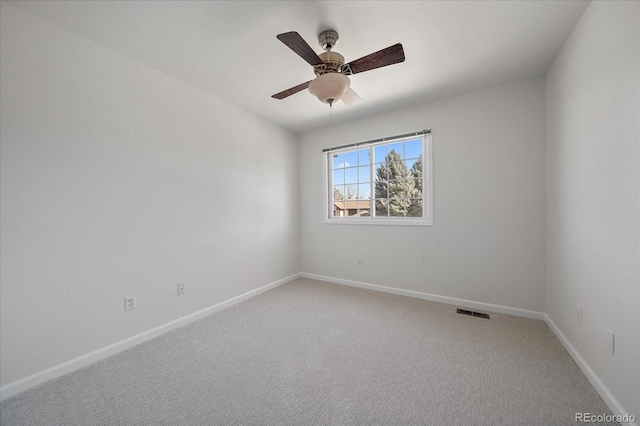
364	208
417	185
382	189
364	174
415	167
338	177
351	175
382	207
381	172
351	192
380	153
351	159
364	191
363	157
338	192
338	161
398	148
413	148
356	207
396	208
338	209
408	189
415	209
399	188
393	162
350	207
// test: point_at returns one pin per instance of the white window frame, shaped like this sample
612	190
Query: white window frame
427	186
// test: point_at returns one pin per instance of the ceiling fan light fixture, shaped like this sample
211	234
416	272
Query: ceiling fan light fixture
329	87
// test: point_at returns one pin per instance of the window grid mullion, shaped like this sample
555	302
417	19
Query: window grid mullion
372	189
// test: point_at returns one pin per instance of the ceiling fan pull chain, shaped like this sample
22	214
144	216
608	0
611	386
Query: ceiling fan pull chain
331	113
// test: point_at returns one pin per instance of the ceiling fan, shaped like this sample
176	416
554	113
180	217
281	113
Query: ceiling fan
331	83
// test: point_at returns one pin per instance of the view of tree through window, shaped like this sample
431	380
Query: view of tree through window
378	180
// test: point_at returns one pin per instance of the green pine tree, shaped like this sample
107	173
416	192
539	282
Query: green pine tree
382	190
415	207
395	187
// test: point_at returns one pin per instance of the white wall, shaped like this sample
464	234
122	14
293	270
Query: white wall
593	215
487	242
118	180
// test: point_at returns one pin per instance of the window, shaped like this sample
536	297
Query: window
381	182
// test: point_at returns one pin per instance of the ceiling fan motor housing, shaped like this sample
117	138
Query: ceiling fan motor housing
333	62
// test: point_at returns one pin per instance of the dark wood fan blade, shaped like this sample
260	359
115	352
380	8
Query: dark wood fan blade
291	91
389	56
297	44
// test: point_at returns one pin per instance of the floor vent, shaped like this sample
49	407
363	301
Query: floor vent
473	314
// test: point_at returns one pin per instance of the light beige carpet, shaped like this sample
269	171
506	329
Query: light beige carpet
313	353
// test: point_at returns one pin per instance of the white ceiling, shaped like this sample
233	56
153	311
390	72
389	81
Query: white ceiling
230	50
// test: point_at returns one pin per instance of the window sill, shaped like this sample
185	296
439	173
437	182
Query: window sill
377	221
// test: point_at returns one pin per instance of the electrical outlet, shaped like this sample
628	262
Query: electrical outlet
579	313
360	262
129	303
181	289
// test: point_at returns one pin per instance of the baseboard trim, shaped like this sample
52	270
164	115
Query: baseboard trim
501	309
11	389
600	387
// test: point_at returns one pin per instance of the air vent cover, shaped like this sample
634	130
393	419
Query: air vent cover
472	313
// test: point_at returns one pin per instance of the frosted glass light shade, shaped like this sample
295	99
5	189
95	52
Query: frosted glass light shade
329	87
